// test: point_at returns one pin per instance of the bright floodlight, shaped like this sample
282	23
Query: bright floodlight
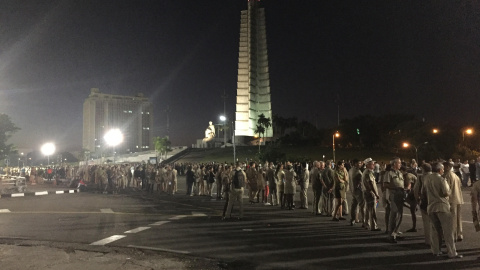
469	131
406	145
223	118
113	137
48	149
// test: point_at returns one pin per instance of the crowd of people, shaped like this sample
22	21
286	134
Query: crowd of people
433	187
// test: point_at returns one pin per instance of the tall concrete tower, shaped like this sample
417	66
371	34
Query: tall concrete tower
253	85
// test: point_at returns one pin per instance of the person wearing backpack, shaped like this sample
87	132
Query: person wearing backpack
236	192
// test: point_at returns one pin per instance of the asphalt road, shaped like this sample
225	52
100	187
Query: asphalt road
268	237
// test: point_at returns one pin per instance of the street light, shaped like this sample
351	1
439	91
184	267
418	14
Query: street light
224	120
113	138
467	131
48	149
336	134
407	145
435	131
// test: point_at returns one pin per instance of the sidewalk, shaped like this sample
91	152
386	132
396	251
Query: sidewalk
33	255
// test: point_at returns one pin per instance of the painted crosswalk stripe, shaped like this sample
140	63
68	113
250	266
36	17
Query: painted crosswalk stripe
106	210
178	217
4	211
160	249
136	230
41	193
158	223
107	240
18	195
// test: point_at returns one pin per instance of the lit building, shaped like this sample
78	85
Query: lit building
131	114
253	85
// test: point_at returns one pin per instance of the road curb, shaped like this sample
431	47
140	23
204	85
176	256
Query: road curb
39	193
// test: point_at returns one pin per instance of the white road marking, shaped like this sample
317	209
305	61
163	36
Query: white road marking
107	240
136	230
107	210
41	193
160	249
59	192
4	211
18	195
178	217
198	214
158	223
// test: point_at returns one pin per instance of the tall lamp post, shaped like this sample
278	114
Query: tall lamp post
223	118
113	138
336	134
407	145
47	150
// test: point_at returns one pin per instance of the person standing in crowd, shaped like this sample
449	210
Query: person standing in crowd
317	186
252	182
290	186
328	176
356	187
438	209
395	184
477	169
236	191
280	174
260	184
465	172
409	183
422	200
376	172
456	200
370	194
475	200
341	183
190	181
210	181
226	178
303	181
472	169
219	182
272	185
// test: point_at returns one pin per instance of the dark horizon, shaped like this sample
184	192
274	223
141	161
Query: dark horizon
419	58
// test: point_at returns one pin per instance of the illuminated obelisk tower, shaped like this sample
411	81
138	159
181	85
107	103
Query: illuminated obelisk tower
253	85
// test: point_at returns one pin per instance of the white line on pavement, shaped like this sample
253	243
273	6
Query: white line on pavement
136	230
59	192
160	249
107	210
107	240
41	193
198	214
4	211
18	195
178	217
158	223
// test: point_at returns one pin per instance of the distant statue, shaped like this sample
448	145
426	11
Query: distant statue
209	132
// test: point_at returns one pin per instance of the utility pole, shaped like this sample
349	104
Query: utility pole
224	96
167	110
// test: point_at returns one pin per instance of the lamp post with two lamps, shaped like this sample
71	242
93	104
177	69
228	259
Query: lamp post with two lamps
113	138
407	145
223	118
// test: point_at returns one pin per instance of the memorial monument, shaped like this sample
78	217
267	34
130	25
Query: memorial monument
253	85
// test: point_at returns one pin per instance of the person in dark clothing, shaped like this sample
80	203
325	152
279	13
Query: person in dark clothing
190	180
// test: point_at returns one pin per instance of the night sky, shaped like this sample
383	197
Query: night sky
376	57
